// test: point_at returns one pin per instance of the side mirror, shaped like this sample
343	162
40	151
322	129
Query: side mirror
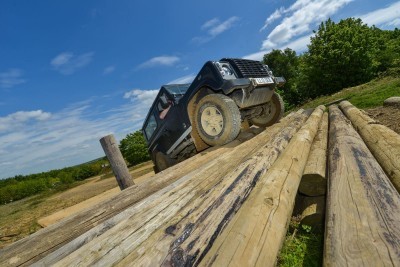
280	81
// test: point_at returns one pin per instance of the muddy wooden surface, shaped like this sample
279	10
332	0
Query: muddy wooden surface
362	220
255	234
152	213
382	141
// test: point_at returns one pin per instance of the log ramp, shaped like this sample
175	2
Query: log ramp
231	206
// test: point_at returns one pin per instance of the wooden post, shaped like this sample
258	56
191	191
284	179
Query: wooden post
117	162
362	218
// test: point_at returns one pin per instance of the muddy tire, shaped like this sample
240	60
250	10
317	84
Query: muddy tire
272	112
217	119
162	162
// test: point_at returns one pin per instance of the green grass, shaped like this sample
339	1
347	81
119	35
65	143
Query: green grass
302	246
368	95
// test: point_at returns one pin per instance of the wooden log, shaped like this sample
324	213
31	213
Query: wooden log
382	141
151	213
118	165
186	238
393	101
255	234
313	182
48	240
312	212
362	219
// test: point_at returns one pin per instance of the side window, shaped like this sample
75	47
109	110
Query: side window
163	106
150	127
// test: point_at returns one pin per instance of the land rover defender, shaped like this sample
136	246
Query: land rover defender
188	118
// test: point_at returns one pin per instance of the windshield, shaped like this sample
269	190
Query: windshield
177	89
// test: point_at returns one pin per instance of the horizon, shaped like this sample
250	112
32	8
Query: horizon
74	72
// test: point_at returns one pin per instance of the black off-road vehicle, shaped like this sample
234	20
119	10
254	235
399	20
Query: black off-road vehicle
187	118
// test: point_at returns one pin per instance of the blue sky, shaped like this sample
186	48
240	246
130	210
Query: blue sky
74	71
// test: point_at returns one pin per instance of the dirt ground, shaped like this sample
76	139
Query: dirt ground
20	218
388	116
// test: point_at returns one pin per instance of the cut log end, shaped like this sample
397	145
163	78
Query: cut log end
312	185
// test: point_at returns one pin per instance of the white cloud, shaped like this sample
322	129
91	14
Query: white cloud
209	23
295	28
299	45
215	27
224	26
108	70
67	63
395	23
257	55
274	16
37	141
145	97
61	59
159	61
388	16
15	120
299	18
185	79
11	78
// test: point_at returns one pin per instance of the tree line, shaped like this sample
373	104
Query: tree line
340	55
21	186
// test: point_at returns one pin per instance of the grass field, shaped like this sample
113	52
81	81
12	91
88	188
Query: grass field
369	95
19	218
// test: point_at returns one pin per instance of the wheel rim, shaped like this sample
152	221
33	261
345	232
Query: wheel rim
212	121
269	111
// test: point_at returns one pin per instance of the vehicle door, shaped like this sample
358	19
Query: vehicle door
173	127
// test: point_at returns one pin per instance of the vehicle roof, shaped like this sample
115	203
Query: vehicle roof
174	89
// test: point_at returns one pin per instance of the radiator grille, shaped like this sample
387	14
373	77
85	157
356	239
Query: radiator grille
250	68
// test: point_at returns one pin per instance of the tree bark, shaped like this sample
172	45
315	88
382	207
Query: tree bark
313	182
382	141
118	165
362	219
255	234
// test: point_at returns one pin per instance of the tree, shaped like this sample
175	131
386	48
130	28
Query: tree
340	55
134	148
286	64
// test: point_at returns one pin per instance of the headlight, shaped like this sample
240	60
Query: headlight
226	70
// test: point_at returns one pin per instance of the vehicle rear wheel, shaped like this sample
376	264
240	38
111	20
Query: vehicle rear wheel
217	119
272	112
163	162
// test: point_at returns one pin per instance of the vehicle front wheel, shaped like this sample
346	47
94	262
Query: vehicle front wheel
217	119
162	162
272	112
